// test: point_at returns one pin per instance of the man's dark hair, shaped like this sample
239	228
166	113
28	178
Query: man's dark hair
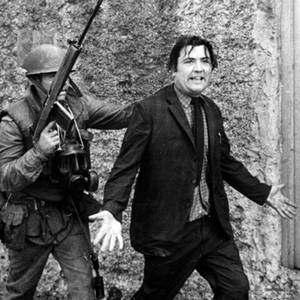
190	40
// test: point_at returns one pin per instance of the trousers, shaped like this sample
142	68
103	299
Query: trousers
205	250
26	267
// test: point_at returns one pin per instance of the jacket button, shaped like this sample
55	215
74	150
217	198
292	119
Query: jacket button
194	181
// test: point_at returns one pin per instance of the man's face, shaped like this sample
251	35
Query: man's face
194	70
46	80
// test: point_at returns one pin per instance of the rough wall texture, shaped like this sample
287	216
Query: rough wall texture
124	60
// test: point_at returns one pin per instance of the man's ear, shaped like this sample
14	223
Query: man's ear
173	73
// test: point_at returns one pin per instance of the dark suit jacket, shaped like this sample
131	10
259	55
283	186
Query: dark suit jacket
159	146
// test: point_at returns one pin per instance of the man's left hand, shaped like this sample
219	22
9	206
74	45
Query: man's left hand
284	207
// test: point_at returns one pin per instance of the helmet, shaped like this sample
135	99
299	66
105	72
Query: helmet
44	58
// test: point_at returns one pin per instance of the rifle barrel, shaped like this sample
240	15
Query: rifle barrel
62	75
89	22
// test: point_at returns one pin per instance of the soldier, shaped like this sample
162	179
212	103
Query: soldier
47	182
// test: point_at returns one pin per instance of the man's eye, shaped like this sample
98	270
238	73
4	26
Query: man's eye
206	61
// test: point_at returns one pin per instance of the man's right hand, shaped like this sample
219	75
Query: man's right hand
109	232
49	140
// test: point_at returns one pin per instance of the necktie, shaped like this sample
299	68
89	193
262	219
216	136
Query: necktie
198	132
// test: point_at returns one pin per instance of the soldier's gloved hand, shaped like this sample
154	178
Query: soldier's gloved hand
62	95
49	139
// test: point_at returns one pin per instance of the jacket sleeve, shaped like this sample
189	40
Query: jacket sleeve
107	116
18	168
118	187
237	175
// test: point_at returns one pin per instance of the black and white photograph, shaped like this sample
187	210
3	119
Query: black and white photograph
149	150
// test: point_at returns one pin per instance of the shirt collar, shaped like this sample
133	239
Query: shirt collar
184	99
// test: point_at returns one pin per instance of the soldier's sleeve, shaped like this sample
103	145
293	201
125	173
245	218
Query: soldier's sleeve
18	167
107	116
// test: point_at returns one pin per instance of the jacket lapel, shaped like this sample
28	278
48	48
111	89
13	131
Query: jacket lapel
178	113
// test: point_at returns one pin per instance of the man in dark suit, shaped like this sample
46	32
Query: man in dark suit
180	217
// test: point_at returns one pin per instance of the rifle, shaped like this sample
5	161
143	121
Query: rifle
62	74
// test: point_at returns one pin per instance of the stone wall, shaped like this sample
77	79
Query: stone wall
123	60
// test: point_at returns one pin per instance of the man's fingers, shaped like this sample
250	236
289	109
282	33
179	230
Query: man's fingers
287	212
281	212
105	243
102	215
97	216
112	243
291	211
109	232
120	241
291	204
93	217
99	235
289	208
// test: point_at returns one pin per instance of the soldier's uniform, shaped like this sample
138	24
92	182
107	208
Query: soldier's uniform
38	214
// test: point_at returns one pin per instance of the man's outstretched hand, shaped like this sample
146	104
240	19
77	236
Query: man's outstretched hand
109	232
284	207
